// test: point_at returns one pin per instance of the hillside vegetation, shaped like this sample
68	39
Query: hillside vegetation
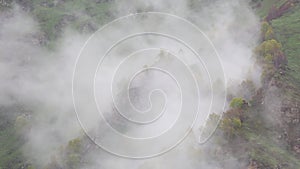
249	131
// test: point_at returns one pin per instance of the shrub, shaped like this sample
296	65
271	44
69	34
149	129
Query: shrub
230	126
269	34
237	103
269	47
267	31
73	153
74	145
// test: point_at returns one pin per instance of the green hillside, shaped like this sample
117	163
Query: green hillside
287	31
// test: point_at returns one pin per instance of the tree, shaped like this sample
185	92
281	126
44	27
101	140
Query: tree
269	34
269	47
231	122
264	27
237	103
73	153
267	31
74	146
231	125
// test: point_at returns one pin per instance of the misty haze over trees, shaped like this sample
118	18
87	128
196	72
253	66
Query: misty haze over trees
71	79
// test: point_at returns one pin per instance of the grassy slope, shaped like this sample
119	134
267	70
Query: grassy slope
287	31
266	5
261	138
10	149
11	156
49	16
262	142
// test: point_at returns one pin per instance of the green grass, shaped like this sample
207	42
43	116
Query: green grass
11	156
263	144
266	6
266	151
49	16
48	19
287	31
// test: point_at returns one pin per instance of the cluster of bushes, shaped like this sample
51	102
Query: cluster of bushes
270	54
232	120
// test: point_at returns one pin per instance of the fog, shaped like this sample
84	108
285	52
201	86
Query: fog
136	96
